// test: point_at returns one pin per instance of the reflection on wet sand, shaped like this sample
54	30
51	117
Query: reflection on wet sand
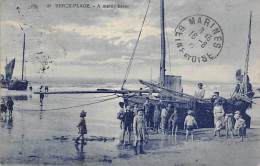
81	155
41	111
6	122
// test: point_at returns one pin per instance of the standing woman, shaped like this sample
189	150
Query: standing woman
139	129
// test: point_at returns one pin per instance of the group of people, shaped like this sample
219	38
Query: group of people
224	119
132	119
7	106
138	119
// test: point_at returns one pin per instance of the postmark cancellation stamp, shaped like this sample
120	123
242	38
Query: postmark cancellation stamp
199	38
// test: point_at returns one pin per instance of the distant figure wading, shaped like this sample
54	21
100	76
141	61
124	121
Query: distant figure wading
10	105
41	95
3	106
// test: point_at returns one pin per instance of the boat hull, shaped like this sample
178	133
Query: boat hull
203	109
18	85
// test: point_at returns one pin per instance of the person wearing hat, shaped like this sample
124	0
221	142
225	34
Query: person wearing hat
139	130
215	97
81	127
189	124
199	91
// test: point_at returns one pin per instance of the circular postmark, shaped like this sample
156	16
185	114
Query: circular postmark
199	38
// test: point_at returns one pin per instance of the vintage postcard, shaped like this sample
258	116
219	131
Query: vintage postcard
130	82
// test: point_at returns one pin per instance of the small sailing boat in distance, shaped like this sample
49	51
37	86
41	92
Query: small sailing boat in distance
14	84
9	68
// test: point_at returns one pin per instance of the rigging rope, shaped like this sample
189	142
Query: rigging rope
136	44
169	51
75	106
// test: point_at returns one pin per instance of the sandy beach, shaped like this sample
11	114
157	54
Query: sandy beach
42	136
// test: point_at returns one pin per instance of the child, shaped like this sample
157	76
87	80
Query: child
82	127
189	124
139	128
128	123
240	125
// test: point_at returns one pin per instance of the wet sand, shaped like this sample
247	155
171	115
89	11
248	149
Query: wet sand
40	136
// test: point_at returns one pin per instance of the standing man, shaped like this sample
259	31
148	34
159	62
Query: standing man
10	105
139	131
199	91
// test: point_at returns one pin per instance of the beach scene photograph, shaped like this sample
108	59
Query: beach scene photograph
127	82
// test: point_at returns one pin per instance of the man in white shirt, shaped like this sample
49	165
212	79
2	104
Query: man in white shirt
199	91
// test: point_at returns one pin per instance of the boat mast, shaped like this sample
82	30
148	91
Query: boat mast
163	51
245	81
23	54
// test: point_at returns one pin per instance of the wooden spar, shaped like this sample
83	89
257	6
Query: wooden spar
161	89
243	89
163	51
97	91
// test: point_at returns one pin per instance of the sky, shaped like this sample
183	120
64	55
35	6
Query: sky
94	43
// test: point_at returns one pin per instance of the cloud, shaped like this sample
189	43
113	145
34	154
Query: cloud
117	31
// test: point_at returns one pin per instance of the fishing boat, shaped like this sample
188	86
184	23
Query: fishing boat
168	90
10	83
9	68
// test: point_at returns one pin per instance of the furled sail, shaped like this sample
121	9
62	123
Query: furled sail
9	68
